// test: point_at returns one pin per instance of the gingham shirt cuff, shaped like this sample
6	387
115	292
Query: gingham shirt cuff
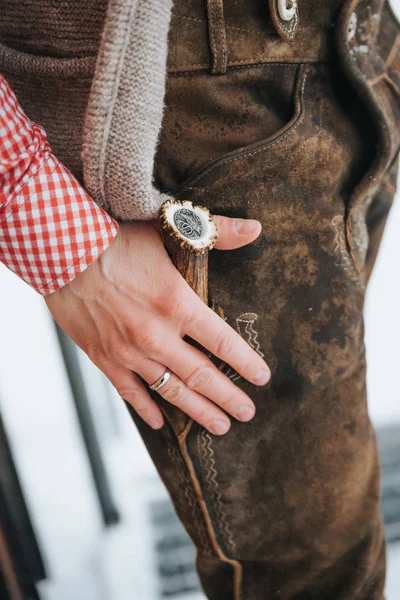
50	228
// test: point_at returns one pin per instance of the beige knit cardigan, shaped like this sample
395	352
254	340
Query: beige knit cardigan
124	113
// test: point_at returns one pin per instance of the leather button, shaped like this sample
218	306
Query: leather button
287	9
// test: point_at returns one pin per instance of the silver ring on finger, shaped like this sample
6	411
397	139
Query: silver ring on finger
161	380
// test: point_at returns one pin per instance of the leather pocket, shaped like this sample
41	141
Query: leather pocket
53	92
15	62
212	171
211	121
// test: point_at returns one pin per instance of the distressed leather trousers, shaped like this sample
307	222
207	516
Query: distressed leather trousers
295	123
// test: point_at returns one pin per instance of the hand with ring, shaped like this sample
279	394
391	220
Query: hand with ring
129	312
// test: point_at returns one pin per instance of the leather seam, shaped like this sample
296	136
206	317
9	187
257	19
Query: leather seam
391	83
390	58
188	491
244	29
287	33
247	66
289	30
258	60
217	36
236	565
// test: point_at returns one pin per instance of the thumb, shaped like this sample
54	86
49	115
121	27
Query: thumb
234	233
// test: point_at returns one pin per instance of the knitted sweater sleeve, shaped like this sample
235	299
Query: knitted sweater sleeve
50	228
125	108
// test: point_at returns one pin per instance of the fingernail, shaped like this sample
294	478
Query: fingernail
246	226
219	427
156	423
262	377
245	413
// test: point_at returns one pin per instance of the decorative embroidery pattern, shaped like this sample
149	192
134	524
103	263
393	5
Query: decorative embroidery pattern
245	327
207	459
186	484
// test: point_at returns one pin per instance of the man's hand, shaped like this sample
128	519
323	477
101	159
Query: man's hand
129	312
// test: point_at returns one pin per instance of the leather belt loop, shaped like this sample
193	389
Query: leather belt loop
217	36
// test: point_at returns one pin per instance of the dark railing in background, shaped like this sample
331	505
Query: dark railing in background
108	507
389	448
175	554
21	561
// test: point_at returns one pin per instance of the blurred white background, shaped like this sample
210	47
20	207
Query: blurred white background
84	560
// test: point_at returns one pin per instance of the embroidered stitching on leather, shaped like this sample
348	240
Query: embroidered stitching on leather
250	334
269	61
247	62
188	18
249	30
203	66
248	319
243	29
216	28
224	48
184	478
206	454
289	30
275	64
215	47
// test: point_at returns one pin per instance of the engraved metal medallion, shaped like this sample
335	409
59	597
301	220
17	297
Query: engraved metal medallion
189	224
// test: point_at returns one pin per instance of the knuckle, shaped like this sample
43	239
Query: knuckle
96	355
148	338
201	378
142	409
173	393
223	344
129	394
202	415
130	330
116	351
228	404
247	369
190	315
178	306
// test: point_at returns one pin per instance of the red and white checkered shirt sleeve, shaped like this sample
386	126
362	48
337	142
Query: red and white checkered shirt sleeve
50	228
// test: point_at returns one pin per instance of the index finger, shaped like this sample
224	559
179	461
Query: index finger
214	334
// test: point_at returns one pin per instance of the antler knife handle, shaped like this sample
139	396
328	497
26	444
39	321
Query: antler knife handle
188	235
